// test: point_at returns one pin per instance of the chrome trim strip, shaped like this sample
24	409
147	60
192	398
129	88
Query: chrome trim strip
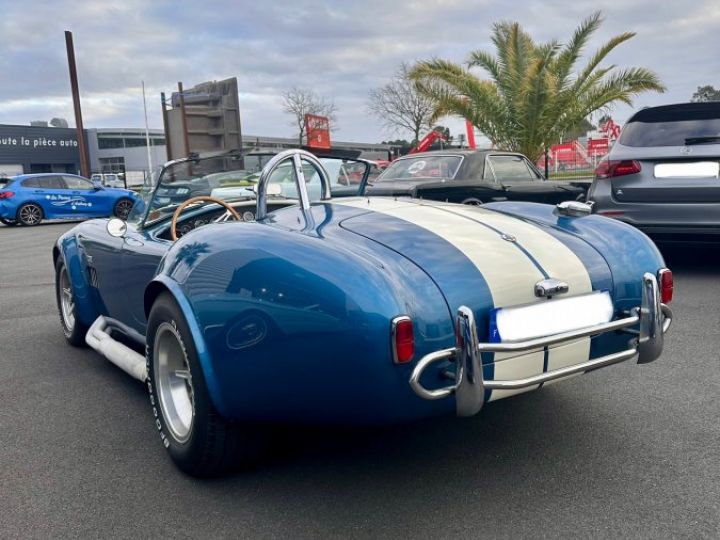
393	332
297	156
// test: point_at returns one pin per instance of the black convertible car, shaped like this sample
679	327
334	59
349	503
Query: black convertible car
471	177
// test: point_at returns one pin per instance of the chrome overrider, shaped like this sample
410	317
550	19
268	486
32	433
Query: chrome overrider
652	318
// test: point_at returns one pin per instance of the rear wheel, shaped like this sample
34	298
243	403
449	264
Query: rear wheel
73	328
29	214
198	439
122	208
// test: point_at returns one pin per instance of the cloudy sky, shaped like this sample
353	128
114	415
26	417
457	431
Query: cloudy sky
339	49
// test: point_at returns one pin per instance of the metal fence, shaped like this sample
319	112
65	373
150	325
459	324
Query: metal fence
575	159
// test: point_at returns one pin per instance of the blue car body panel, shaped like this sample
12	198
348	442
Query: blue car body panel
291	315
58	201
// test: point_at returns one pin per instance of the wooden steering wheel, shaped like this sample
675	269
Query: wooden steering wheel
192	200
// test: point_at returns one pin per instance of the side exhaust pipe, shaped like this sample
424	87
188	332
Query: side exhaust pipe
122	356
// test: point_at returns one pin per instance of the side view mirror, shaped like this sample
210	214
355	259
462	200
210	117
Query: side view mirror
116	227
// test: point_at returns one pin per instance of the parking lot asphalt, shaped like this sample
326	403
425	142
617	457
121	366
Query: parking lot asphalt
625	452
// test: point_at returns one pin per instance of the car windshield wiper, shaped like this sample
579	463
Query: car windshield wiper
702	140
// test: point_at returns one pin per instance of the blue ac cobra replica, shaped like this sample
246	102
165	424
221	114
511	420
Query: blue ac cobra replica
272	307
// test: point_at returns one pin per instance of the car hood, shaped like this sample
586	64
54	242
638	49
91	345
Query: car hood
476	255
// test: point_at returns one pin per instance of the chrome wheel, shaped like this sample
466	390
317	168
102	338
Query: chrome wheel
67	301
122	208
30	214
173	381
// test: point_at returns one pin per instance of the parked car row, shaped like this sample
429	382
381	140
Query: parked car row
662	176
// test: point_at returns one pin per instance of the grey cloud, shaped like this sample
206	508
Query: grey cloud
340	49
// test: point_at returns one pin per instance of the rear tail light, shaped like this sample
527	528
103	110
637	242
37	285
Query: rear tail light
403	339
6	194
611	169
665	279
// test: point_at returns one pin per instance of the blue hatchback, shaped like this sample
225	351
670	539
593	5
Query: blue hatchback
28	199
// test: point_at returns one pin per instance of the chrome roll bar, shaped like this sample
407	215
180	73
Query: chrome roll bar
652	318
297	157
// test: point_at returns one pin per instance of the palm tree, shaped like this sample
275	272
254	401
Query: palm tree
534	94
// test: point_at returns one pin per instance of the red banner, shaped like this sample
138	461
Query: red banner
317	129
470	134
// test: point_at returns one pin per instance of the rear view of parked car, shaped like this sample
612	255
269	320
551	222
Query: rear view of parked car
663	174
29	199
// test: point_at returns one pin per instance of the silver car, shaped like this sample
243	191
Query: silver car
663	174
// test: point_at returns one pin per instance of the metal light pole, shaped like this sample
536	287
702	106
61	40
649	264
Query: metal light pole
147	136
82	143
184	119
168	143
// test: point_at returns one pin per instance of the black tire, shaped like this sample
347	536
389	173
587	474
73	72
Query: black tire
122	208
74	330
213	445
8	222
472	201
29	214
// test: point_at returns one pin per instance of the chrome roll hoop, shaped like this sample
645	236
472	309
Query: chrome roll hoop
297	157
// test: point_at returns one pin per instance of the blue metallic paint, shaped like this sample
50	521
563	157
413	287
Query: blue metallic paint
291	316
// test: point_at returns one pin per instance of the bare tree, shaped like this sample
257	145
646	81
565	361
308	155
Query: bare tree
300	101
399	107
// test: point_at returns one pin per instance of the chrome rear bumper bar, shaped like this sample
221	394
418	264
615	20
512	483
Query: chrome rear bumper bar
652	320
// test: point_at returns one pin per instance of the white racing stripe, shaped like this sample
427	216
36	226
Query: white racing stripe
508	271
557	260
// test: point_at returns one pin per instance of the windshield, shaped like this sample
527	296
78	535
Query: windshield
422	167
231	178
673	126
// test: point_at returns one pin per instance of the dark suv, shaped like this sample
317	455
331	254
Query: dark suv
663	174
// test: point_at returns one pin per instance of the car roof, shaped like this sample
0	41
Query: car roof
460	152
40	175
689	111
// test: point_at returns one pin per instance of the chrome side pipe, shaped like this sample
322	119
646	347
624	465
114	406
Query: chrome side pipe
122	356
653	318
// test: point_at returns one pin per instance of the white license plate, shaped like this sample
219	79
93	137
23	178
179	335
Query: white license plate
550	317
163	200
698	169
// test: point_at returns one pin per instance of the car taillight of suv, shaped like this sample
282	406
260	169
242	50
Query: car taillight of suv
612	169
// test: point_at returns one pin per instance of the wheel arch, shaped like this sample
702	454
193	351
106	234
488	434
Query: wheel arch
68	250
162	283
